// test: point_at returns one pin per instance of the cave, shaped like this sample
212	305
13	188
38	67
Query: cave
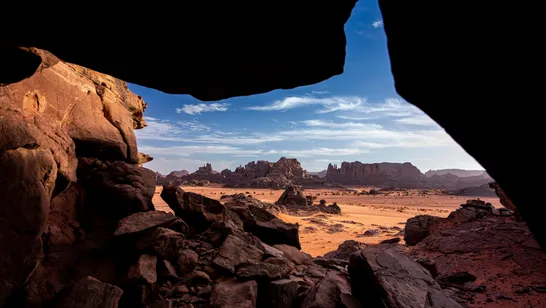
211	52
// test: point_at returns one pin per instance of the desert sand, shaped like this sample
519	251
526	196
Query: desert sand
322	233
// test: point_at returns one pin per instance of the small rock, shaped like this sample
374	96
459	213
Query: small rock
179	290
393	240
162	303
293	254
143	221
199	278
204	290
429	264
270	269
167	270
187	259
231	293
372	232
271	251
144	270
454	279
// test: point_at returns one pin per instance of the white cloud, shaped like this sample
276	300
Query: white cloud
320	92
357	118
377	24
196	149
150	119
158	129
193	126
199	108
321	123
319	152
423	120
330	104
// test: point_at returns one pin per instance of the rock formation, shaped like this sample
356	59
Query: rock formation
384	174
504	199
296	202
259	174
457	172
404	175
70	171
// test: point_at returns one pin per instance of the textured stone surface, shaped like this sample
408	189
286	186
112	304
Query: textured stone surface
387	277
91	293
231	293
390	174
143	221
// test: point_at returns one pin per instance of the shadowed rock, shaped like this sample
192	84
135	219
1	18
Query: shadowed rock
143	221
231	293
91	293
386	277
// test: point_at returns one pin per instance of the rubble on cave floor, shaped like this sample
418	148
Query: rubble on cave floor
486	257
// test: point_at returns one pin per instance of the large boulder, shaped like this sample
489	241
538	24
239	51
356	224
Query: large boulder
293	197
418	227
386	277
199	211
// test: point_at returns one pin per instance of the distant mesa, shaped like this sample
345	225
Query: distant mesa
287	172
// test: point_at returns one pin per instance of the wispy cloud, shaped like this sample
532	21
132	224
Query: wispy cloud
377	24
193	126
320	92
189	150
200	108
365	135
150	119
330	104
422	120
317	152
329	124
358	118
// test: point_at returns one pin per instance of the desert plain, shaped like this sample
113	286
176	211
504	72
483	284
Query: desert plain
383	214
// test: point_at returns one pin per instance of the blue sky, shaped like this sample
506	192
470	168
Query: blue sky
354	116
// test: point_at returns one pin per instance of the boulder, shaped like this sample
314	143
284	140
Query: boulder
282	293
197	210
91	293
234	252
144	270
385	276
332	291
231	293
143	221
162	242
293	254
418	227
270	269
270	229
345	250
292	197
115	190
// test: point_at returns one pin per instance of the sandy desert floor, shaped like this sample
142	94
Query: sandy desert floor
322	233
